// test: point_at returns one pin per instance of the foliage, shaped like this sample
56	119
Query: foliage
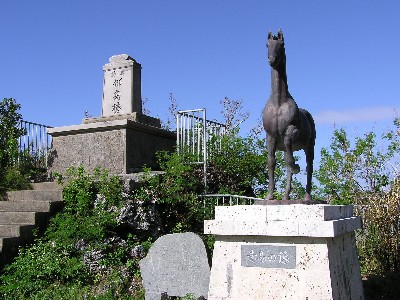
349	174
10	118
378	244
40	265
81	193
366	174
237	166
18	166
175	193
80	255
379	241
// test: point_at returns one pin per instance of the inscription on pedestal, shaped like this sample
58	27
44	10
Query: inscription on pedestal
121	86
269	256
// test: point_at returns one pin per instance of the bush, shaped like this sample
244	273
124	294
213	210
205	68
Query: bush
38	266
238	166
379	241
80	255
174	193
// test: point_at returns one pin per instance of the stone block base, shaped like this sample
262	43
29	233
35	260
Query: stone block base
289	252
120	145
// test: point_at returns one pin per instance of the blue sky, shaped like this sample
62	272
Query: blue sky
342	57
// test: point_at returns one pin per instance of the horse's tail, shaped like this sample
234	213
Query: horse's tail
312	125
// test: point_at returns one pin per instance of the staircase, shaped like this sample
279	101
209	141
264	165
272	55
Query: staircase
24	211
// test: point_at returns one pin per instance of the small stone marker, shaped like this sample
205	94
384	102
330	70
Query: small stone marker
122	86
176	265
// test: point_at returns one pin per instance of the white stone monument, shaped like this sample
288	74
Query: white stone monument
122	86
122	139
292	251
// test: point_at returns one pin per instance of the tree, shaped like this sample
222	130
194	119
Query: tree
348	174
10	132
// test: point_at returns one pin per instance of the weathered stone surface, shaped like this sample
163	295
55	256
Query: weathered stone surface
121	146
176	265
140	218
122	86
283	220
326	263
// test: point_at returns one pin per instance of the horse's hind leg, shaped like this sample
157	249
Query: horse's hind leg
288	181
309	158
271	145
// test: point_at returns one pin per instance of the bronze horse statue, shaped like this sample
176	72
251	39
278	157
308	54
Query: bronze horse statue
288	127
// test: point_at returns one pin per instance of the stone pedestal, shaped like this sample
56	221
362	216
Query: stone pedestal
284	252
121	143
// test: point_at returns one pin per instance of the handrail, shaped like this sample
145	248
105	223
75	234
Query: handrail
194	134
35	143
210	201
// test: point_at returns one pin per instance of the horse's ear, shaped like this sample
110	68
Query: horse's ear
280	35
270	35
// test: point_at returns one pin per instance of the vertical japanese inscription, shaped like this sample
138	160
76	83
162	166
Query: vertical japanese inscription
116	97
121	86
269	256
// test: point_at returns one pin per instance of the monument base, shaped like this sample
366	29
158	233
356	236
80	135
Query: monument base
120	145
134	116
284	252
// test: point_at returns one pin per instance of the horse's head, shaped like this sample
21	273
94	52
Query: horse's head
276	49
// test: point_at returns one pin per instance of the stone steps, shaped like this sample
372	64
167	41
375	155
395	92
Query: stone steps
14	230
35	195
27	206
46	186
24	211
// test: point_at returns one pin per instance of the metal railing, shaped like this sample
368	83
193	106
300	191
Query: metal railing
210	201
196	135
35	144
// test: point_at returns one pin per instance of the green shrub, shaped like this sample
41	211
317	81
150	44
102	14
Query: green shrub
238	166
175	194
80	255
37	267
379	241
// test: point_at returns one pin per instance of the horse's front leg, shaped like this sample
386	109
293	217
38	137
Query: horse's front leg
271	146
290	136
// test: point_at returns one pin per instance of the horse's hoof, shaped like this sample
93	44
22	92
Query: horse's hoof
296	169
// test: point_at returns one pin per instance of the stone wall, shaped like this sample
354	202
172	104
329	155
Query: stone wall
121	146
